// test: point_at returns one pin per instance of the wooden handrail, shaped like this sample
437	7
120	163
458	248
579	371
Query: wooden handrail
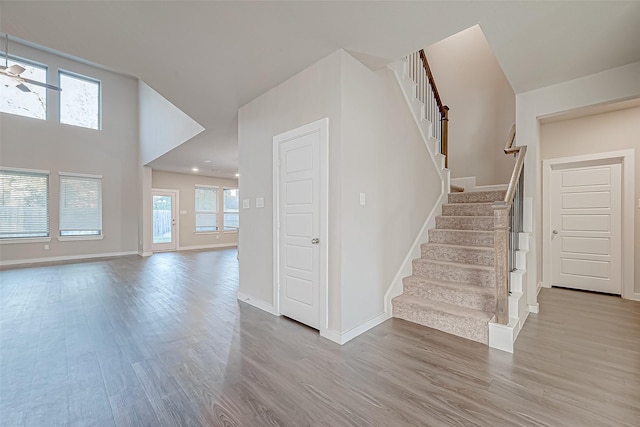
443	109
508	147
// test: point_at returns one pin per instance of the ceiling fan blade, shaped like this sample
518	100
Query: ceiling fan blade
37	83
23	87
15	69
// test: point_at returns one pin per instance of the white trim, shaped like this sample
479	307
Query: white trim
265	306
406	268
206	232
145	254
72	238
469	184
624	157
80	175
322	126
10	169
212	246
206	186
502	337
342	338
17	240
66	258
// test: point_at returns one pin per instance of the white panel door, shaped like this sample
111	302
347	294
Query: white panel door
299	227
586	240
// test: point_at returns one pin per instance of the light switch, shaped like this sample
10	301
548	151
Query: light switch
246	203
259	202
363	200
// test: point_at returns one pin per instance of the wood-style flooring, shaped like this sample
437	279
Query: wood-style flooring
163	341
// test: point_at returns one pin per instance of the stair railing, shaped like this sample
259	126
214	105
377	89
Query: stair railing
427	92
507	224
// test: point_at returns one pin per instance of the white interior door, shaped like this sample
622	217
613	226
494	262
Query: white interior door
164	220
299	225
586	218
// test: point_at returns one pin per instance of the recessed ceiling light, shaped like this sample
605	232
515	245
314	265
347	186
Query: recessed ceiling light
237	175
195	169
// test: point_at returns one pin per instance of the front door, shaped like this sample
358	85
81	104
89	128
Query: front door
298	158
586	241
164	220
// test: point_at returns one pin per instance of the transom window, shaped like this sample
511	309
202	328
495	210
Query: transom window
24	99
24	204
79	100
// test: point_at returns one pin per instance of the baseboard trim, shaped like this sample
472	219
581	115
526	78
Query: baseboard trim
66	258
534	308
145	254
257	303
502	337
343	338
469	184
214	246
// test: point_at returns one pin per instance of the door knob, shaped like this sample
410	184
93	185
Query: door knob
315	241
555	231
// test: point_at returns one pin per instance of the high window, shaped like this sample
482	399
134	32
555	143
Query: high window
79	101
206	209
24	99
231	209
80	205
24	204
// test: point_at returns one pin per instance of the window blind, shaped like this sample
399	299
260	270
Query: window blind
24	204
206	209
80	206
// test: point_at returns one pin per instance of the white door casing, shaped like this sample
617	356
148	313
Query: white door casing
586	243
300	224
166	239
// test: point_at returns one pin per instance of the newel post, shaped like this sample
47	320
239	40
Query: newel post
501	249
445	135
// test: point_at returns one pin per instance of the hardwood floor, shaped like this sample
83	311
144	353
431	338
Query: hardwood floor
163	341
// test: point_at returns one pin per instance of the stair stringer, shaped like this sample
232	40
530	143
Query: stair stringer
425	127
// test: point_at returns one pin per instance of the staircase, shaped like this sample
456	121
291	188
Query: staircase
453	285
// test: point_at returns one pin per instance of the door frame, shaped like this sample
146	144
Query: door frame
321	126
626	159
176	197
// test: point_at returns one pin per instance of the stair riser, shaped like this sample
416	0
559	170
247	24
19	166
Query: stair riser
462	255
464	238
452	296
465	223
472	329
458	274
460	209
476	196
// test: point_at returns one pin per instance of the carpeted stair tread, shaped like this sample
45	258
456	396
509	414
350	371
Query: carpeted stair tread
462	294
479	275
461	321
481	238
461	222
476	196
468	209
473	255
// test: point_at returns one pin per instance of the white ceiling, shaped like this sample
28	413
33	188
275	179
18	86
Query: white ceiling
211	57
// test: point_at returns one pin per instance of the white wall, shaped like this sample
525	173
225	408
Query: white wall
306	97
163	126
608	86
374	148
185	185
383	156
111	152
611	131
482	106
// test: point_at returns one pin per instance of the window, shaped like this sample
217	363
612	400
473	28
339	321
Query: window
24	204
206	209
80	205
24	99
79	101
231	211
